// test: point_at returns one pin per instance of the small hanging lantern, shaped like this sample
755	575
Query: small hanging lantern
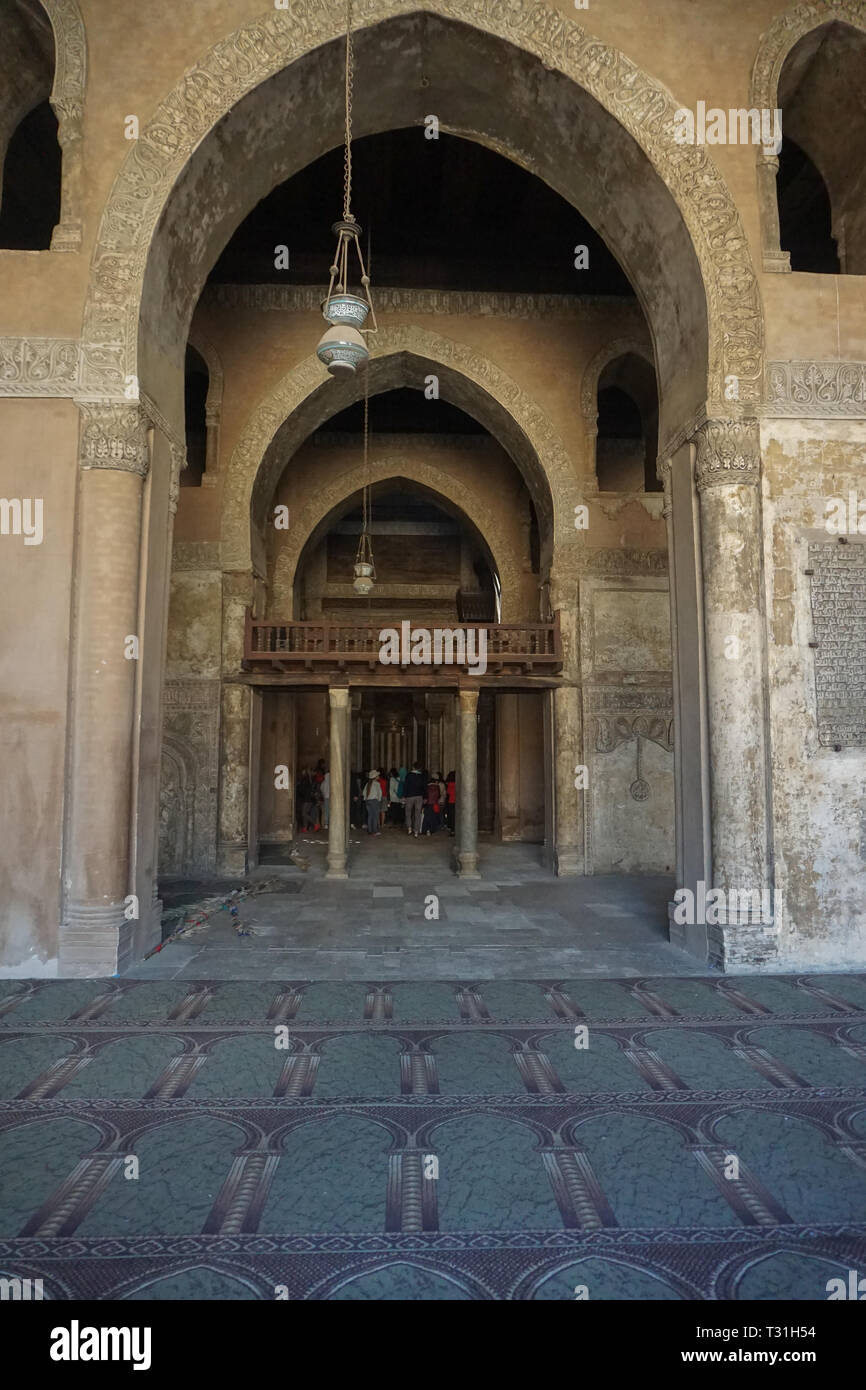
342	347
364	568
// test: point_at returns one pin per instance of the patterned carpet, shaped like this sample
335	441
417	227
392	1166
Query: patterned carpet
255	1140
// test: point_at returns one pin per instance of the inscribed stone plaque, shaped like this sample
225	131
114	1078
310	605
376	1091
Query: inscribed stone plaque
839	622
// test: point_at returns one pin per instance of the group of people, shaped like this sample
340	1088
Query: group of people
313	797
409	798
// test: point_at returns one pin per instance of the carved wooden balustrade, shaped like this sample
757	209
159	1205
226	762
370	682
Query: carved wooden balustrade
518	648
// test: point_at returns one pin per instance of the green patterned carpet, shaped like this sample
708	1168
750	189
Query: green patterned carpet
705	1138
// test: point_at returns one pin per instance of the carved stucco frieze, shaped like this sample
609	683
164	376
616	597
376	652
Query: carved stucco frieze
728	451
261	48
114	436
624	561
454	303
39	366
816	390
612	730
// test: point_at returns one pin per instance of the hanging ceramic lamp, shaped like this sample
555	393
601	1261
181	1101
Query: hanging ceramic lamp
342	347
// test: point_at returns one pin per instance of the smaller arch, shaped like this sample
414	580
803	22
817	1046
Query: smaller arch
776	45
301	401
199	340
462	499
59	86
592	376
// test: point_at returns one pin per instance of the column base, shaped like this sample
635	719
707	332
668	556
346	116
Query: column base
232	860
467	864
337	870
95	940
567	861
688	938
741	945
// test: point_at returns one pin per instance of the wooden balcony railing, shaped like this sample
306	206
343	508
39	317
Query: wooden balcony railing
530	648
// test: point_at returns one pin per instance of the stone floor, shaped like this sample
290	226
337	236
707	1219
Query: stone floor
682	1138
515	921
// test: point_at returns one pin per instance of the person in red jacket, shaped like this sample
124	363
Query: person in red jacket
450	800
432	806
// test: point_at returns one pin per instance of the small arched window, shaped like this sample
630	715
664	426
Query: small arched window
627	439
196	383
814	218
30	155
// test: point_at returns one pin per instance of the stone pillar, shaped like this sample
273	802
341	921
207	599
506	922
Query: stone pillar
212	445
664	472
337	763
467	785
774	258
508	767
97	928
567	732
254	778
238	590
727	475
70	120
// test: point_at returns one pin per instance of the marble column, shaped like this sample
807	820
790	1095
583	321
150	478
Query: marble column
97	926
467	785
727	476
338	745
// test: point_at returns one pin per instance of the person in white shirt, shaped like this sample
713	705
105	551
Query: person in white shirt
372	797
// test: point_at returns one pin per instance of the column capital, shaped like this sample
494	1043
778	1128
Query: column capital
468	699
729	452
114	435
338	695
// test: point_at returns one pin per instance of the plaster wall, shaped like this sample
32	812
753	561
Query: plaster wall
819	795
38	442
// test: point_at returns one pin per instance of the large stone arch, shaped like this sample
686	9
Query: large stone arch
302	401
160	233
466	500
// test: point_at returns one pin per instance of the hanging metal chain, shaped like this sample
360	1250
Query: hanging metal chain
347	154
366	495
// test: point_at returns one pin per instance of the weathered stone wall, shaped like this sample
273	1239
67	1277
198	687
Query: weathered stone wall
819	790
625	662
35	585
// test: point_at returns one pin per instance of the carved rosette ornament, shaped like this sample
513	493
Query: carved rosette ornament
114	435
729	451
